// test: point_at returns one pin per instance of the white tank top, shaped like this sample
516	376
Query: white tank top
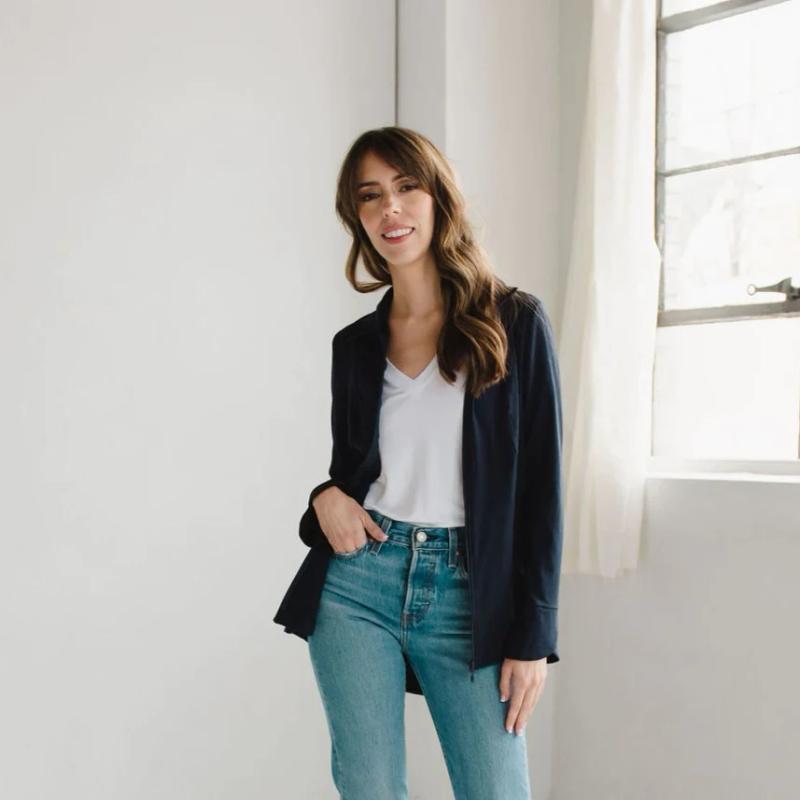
419	439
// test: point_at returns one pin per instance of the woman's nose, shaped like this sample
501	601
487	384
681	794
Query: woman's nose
390	203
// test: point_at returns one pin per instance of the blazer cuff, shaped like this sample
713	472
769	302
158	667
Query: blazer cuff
533	635
310	532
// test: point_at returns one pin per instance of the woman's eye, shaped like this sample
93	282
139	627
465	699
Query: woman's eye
365	197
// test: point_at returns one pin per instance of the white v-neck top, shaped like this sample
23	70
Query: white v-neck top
419	439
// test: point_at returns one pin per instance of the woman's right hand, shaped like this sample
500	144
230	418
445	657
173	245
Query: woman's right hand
345	522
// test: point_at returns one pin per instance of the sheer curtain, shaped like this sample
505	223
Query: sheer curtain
607	334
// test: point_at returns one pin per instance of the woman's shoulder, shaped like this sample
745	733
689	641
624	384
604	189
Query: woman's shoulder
525	307
532	332
355	328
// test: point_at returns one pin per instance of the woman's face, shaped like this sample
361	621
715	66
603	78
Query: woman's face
387	200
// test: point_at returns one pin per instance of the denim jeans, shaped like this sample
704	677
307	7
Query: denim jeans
409	595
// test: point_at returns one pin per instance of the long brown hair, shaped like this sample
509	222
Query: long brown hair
473	333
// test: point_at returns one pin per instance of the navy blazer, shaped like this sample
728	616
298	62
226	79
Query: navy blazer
511	464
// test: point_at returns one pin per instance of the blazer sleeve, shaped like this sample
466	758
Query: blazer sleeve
538	523
310	530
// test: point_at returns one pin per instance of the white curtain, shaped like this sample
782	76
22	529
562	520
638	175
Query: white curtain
607	334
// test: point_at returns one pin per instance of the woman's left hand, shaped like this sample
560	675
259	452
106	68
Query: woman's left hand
522	682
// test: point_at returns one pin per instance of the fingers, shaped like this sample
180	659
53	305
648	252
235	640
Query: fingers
372	528
520	708
524	689
366	524
349	543
514	720
505	681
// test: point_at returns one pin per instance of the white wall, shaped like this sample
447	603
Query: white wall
171	270
679	680
503	130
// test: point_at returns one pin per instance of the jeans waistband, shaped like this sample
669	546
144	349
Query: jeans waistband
416	535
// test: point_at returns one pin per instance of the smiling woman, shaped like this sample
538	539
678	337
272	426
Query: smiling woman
435	546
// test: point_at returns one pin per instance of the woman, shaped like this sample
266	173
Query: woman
435	546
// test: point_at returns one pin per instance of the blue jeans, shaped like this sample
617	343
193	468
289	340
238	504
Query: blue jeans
409	594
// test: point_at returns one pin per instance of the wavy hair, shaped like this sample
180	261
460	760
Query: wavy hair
473	333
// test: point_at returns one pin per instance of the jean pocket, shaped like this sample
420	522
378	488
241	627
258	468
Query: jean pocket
354	553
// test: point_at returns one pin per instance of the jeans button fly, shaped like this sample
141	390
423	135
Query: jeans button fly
421	536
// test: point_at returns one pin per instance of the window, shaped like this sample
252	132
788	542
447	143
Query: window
726	384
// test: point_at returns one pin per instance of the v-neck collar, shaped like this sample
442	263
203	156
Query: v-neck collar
407	378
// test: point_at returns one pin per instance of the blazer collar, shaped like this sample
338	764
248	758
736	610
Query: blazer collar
382	318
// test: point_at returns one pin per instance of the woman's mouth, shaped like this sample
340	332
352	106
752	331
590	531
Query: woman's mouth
397	236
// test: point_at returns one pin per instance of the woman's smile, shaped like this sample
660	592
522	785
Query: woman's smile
393	237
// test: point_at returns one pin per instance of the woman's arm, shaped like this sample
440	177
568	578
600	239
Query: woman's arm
538	519
310	531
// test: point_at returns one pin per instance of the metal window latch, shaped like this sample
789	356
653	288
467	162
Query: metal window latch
784	286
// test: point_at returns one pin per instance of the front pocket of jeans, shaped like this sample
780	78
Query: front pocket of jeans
353	553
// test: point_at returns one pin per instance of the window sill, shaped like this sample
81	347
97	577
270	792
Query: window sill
663	468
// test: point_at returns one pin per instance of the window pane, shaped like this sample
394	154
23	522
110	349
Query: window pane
733	87
728	390
676	6
727	227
